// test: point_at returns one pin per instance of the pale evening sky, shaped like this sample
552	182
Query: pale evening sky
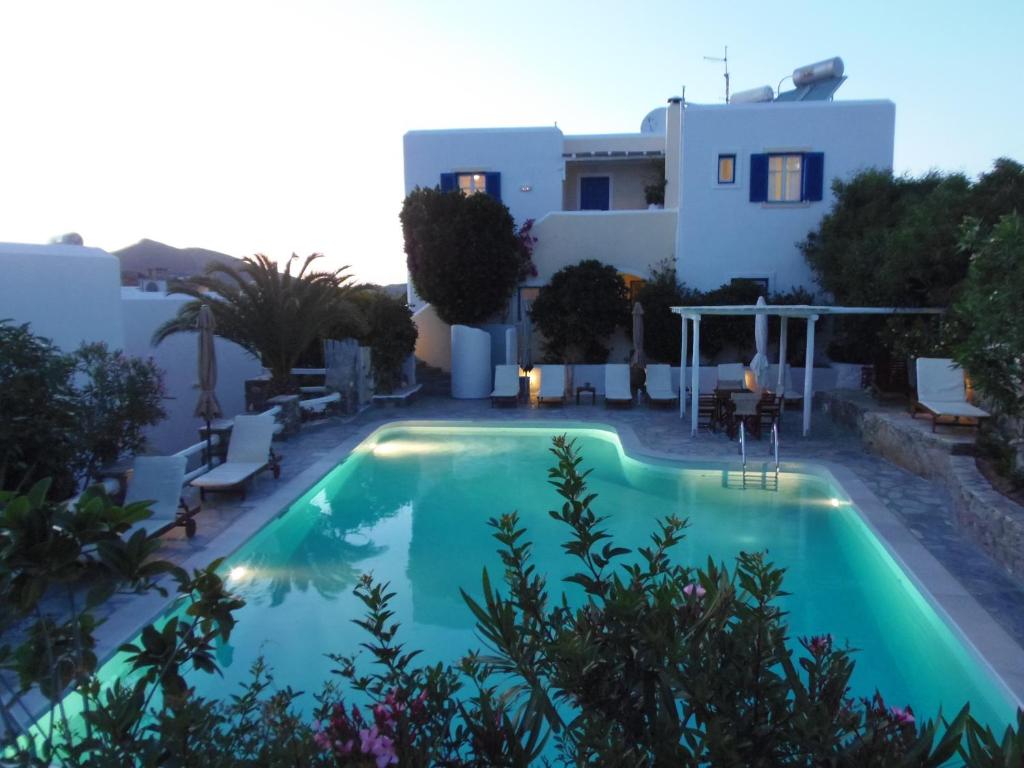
277	126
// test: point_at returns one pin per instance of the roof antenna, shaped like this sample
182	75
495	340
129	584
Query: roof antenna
724	60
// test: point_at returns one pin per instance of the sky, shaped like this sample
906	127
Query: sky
276	127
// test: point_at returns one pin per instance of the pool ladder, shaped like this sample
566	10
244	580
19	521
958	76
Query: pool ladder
773	451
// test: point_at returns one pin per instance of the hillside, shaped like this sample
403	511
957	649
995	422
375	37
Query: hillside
179	262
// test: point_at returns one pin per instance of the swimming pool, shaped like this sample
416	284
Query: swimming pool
410	505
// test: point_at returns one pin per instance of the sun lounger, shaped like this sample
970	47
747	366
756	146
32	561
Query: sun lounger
731	376
552	384
506	384
249	453
790	392
159	480
616	385
659	384
942	394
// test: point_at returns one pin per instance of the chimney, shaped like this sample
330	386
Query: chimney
673	150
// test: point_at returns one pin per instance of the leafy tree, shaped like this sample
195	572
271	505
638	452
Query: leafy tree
38	412
579	309
998	192
118	396
463	253
274	315
991	347
391	335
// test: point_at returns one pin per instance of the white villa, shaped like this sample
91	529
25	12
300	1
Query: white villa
745	182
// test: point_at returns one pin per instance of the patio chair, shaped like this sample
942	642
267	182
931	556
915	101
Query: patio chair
731	376
249	453
552	384
506	384
790	393
659	385
159	480
616	385
942	394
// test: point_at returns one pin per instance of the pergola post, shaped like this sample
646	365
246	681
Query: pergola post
809	373
695	376
783	341
682	368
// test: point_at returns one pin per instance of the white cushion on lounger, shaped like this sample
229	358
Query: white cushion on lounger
616	383
230	474
158	480
506	381
659	383
950	408
552	382
941	388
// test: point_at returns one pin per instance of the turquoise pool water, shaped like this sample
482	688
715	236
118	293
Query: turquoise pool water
410	505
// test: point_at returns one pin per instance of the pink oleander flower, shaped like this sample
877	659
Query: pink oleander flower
694	589
903	716
820	644
378	746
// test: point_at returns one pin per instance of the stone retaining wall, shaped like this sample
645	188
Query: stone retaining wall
991	519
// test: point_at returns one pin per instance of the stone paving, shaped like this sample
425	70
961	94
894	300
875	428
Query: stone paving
924	507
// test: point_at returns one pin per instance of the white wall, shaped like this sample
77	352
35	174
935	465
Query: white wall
525	157
433	338
721	235
177	358
631	241
68	293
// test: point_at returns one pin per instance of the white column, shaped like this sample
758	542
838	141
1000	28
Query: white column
809	373
695	376
682	368
783	341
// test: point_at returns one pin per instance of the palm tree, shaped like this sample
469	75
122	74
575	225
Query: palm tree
274	315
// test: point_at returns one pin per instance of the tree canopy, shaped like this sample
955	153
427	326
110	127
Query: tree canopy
463	254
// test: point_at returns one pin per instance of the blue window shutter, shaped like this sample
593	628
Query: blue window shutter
758	178
814	175
449	182
493	182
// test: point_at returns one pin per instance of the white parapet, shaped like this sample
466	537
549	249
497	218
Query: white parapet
471	363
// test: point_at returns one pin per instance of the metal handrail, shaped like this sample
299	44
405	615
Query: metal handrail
743	445
773	445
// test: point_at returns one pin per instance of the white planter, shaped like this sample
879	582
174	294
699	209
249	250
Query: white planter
848	375
471	363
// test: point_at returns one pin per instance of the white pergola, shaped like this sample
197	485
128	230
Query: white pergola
804	311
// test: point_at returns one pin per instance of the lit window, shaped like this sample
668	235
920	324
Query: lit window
473	183
785	176
727	169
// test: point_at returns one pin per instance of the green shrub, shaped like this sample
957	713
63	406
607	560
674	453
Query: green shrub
391	335
579	310
463	253
64	416
991	347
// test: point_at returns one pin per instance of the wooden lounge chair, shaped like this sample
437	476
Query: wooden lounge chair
659	385
552	384
506	384
942	394
616	385
159	480
249	453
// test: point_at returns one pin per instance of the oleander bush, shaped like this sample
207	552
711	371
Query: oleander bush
660	663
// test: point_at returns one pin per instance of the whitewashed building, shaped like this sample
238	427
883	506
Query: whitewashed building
744	184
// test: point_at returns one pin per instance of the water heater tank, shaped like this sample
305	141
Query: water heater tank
764	93
822	70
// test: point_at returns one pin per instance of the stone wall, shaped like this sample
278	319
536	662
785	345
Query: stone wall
994	521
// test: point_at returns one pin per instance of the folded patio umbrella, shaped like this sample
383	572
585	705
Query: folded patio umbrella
207	407
639	359
759	363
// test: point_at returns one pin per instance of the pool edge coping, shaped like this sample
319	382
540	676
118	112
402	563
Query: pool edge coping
987	641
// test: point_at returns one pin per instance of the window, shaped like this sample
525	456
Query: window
785	176
727	169
472	183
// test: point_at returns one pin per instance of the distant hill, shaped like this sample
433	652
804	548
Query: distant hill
148	255
395	290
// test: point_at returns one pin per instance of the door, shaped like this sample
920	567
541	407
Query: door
595	193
